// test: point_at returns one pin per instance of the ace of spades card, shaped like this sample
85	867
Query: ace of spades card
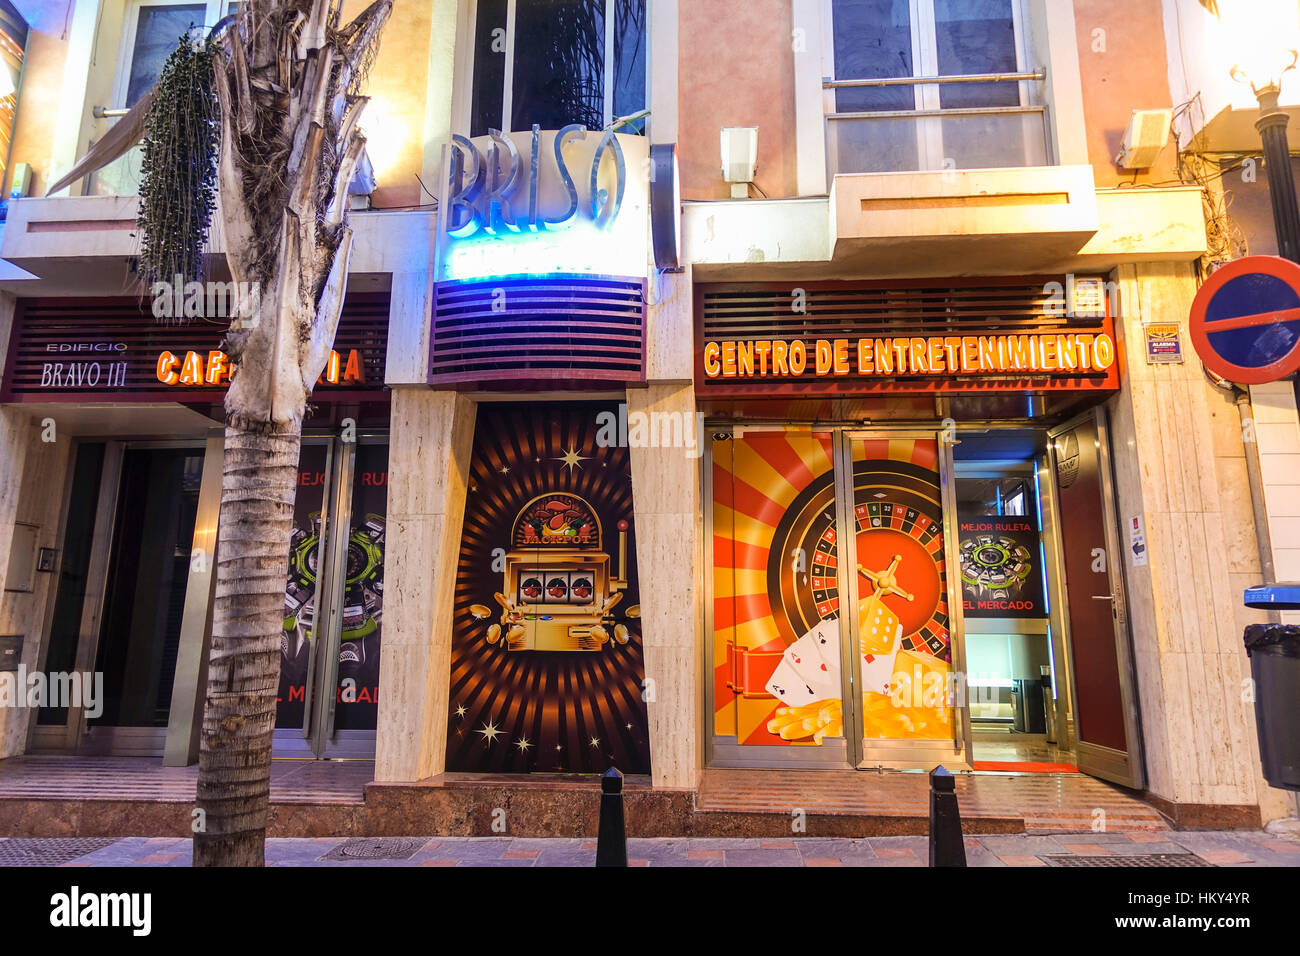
810	668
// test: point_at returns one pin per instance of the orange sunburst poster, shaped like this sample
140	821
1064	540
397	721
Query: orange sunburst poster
776	596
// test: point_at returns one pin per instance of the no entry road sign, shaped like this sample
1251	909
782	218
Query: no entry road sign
1245	321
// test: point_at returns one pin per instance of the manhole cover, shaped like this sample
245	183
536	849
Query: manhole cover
53	852
376	848
1147	859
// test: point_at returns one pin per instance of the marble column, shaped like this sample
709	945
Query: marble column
1179	463
33	478
431	440
669	552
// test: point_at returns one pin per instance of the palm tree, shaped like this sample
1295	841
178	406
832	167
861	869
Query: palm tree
287	81
288	77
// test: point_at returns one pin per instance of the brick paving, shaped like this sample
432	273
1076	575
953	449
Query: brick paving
1220	848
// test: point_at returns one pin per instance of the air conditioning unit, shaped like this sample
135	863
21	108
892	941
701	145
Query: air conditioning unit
1147	133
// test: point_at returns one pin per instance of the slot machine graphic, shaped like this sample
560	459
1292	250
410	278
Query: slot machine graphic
559	590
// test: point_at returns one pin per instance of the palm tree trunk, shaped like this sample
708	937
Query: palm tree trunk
257	500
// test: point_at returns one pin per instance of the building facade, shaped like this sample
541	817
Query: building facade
821	398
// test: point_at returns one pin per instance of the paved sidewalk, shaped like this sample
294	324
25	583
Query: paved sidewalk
1168	848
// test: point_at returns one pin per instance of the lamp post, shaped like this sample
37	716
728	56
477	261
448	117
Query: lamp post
1259	34
1272	124
1253	27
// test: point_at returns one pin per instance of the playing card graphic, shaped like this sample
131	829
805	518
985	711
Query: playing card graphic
810	659
804	674
826	635
789	687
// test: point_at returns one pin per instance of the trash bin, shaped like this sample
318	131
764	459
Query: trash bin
1274	651
1027	706
1049	704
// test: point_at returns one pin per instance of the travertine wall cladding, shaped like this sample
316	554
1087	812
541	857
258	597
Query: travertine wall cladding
1179	462
666	491
432	435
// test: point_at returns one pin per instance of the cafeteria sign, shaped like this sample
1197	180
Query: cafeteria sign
969	355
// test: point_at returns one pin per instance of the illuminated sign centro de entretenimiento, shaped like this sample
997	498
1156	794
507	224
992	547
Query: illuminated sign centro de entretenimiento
543	202
948	355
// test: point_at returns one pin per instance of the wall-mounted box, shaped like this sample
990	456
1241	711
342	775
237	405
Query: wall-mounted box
22	558
11	651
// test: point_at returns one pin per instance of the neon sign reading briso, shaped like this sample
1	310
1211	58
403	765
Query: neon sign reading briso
489	194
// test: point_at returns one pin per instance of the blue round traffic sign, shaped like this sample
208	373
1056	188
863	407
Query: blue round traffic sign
1245	321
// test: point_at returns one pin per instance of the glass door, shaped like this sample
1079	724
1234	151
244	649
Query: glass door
1018	682
909	664
304	597
778	580
798	681
334	601
139	634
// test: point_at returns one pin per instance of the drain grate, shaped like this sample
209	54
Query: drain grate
375	848
1146	859
48	852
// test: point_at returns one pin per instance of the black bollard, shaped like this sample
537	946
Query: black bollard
611	837
947	848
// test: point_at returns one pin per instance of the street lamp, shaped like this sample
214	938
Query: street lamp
1257	32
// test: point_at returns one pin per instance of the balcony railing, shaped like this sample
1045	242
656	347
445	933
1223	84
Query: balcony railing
910	140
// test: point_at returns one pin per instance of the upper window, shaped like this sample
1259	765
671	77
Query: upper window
554	62
153	28
884	120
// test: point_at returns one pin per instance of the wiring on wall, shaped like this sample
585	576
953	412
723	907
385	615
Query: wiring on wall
1197	166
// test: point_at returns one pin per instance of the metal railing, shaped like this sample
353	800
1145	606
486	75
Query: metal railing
831	84
908	140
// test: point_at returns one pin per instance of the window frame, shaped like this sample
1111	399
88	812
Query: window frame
925	62
215	10
465	75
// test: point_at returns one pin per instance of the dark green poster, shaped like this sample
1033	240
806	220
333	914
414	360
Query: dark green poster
1001	567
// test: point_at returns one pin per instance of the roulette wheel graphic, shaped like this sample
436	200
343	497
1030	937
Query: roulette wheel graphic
364	590
996	565
898	525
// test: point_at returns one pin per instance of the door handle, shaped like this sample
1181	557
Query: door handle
1103	597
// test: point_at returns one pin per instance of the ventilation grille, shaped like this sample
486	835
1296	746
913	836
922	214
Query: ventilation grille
562	331
116	343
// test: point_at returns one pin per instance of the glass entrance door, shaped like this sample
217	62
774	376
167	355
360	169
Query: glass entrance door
1018	681
907	658
798	681
157	494
778	577
334	601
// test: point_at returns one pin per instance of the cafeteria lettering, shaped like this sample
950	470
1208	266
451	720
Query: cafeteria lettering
212	369
1063	352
